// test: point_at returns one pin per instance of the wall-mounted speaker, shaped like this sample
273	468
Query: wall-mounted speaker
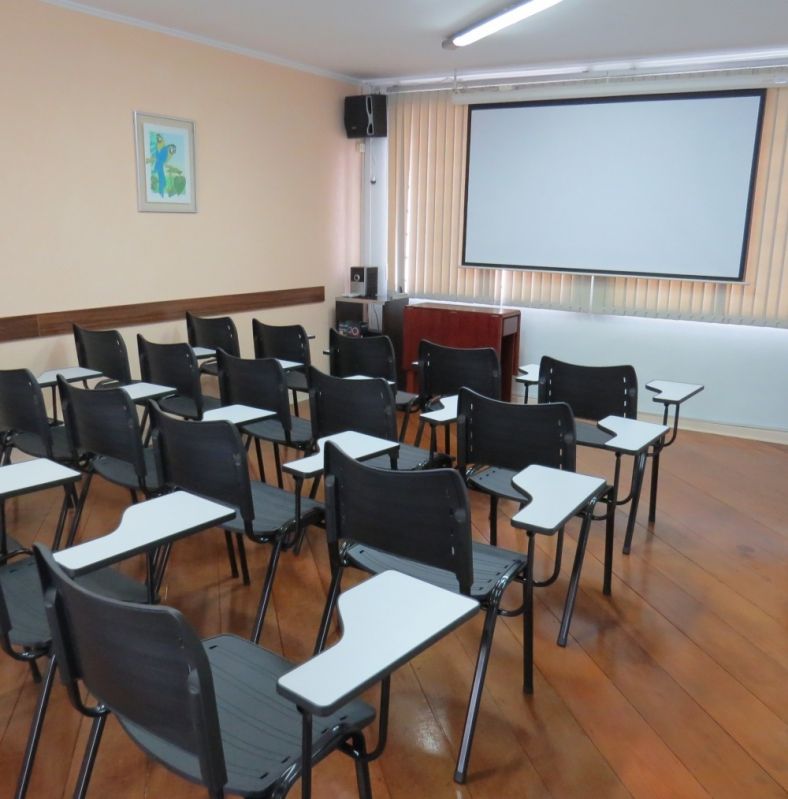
365	115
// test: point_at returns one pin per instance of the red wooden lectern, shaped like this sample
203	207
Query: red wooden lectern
462	326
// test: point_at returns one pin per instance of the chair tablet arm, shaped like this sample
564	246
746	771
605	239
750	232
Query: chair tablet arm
672	393
554	495
143	527
529	373
387	620
28	476
630	435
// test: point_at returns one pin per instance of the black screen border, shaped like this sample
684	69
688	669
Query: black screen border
759	93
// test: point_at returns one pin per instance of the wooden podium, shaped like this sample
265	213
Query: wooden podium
462	326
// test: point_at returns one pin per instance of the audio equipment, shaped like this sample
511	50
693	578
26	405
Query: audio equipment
365	115
364	281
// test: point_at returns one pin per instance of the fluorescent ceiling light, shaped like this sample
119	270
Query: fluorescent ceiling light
503	19
536	72
711	58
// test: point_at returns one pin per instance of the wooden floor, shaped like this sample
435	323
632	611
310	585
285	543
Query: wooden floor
676	686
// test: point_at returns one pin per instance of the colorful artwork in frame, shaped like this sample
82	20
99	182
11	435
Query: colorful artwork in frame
165	164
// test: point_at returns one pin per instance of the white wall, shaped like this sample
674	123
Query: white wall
278	197
374	209
744	369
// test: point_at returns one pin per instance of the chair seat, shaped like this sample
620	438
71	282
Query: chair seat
261	731
411	459
24	599
25	602
272	430
296	380
590	435
274	512
491	565
210	368
11	544
123	473
180	405
31	444
496	481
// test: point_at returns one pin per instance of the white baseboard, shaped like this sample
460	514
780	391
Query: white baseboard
696	425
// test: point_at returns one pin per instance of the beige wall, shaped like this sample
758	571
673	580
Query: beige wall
278	182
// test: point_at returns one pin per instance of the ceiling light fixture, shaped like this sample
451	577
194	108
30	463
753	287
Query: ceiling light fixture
503	19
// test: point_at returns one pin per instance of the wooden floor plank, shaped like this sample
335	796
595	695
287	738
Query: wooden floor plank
671	687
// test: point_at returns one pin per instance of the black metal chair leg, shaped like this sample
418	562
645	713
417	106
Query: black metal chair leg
610	527
528	618
34	671
162	558
306	753
242	557
404	426
83	495
637	479
268	586
61	520
328	610
494	520
89	759
295	403
261	468
145	420
278	464
228	539
652	505
574	580
3	534
362	767
35	731
419	433
463	758
300	530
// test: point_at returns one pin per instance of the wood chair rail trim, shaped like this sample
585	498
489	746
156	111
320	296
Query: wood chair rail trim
13	328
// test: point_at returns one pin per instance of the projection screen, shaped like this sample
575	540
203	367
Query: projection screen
658	185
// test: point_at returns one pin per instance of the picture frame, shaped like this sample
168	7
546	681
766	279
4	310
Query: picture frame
166	175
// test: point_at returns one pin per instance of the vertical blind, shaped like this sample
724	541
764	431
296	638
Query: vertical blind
427	152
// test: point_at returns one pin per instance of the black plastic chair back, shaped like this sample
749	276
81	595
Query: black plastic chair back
365	406
259	382
445	370
145	663
372	356
592	392
206	458
217	332
103	423
288	342
422	516
103	350
513	436
22	406
171	365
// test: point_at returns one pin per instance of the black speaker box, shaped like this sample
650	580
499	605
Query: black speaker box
365	115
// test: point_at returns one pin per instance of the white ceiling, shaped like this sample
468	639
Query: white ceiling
374	39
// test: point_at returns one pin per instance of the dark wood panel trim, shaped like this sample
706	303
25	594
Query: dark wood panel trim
55	323
13	328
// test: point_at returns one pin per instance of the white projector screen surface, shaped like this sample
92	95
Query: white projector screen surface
658	185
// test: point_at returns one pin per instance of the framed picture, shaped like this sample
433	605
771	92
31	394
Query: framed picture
165	164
